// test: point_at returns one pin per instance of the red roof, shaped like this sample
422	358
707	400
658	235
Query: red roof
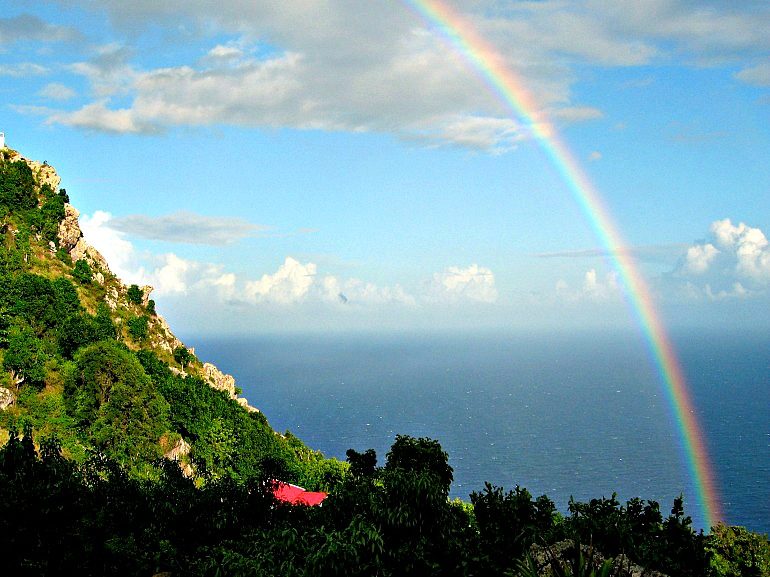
297	495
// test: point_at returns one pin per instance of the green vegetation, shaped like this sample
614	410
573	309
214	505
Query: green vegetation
85	489
134	294
82	272
94	517
183	356
88	374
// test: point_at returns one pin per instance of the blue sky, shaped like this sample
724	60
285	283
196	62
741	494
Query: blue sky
335	165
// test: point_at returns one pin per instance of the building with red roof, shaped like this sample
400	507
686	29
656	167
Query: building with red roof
296	495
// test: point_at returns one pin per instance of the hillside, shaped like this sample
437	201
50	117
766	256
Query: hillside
89	360
121	453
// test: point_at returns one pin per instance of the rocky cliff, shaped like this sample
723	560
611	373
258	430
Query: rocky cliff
71	240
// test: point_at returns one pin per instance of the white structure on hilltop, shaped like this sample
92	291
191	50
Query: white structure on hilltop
2	140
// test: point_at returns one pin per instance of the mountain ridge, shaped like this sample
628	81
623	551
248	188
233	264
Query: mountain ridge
71	239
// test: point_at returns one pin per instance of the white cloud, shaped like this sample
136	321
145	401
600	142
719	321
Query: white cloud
495	135
56	91
334	66
353	292
593	288
99	117
698	258
119	253
759	74
109	71
734	262
22	69
187	227
455	284
289	284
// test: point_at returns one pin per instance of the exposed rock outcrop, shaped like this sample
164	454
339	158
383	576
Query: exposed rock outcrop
7	398
179	452
564	553
70	237
219	380
226	383
69	228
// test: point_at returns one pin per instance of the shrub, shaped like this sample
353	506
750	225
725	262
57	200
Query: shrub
138	328
82	272
135	294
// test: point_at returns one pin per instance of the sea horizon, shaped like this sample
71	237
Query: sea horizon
580	414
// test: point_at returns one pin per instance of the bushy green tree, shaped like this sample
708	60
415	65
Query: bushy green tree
105	326
135	294
66	295
76	331
82	272
116	403
509	523
737	552
34	298
138	328
17	185
183	356
25	357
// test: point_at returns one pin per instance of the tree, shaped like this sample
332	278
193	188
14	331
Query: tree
82	272
183	356
421	455
138	328
135	294
362	464
17	185
115	401
106	329
66	295
76	331
737	552
25	358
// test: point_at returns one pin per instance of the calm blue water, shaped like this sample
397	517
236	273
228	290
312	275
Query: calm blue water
581	415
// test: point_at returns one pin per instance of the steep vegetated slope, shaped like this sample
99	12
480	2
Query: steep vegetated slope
95	390
90	361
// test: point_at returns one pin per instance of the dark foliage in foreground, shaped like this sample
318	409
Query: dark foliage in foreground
58	517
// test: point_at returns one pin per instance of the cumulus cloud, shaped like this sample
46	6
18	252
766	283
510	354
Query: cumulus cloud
98	117
593	288
293	283
473	283
290	283
168	273
733	262
187	227
118	251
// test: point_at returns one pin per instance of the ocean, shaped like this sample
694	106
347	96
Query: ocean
581	415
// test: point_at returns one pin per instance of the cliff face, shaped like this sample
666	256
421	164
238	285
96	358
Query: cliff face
115	292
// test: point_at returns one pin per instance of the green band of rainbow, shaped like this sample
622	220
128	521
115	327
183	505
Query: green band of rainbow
488	65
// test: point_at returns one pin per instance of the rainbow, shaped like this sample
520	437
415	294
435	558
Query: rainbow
486	62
